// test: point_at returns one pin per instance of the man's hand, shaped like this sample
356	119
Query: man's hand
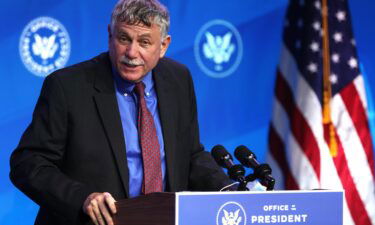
100	207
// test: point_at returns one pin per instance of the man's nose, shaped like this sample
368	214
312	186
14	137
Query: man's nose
132	50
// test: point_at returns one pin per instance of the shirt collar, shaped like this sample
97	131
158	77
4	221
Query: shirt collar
124	86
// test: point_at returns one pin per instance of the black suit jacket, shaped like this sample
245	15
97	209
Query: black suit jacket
75	144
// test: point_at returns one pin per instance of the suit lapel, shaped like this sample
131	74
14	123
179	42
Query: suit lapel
106	102
168	117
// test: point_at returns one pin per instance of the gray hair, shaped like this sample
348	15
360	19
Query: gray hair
145	12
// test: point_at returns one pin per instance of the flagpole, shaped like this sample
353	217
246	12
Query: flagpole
327	92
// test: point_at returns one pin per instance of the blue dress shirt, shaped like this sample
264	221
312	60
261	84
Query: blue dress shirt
128	105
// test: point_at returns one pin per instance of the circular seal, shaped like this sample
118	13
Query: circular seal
218	48
231	213
44	46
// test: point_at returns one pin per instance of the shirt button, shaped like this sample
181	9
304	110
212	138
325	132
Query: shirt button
126	94
147	94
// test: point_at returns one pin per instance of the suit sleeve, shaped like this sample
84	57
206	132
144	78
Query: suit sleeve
36	162
205	174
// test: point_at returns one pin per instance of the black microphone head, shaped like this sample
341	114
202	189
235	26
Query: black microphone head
243	154
221	155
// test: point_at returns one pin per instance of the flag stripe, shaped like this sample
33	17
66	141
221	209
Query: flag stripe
298	125
359	118
296	158
277	149
356	159
356	207
277	172
360	87
304	97
305	176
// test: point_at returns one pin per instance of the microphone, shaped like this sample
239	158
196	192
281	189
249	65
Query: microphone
261	171
224	159
246	157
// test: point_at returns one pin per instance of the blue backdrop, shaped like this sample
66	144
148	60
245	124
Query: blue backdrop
234	89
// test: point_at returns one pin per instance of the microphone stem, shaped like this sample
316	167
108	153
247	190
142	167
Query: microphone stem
242	186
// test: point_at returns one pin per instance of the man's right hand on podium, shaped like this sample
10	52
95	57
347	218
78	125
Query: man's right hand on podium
99	205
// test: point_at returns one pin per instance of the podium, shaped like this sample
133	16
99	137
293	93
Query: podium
232	208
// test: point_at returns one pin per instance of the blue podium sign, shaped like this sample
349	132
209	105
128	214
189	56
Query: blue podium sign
277	207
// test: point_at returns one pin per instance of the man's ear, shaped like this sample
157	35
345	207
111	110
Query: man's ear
164	45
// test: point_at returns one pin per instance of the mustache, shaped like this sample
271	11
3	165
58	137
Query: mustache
132	62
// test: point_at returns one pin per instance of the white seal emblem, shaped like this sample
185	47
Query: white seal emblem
44	46
231	213
218	48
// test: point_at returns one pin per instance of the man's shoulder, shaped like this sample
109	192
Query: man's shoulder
172	70
171	65
173	75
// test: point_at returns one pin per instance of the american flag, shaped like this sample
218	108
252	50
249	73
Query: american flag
319	137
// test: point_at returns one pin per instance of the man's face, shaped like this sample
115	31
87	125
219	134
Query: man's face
136	49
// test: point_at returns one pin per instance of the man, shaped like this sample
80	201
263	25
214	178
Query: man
116	126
